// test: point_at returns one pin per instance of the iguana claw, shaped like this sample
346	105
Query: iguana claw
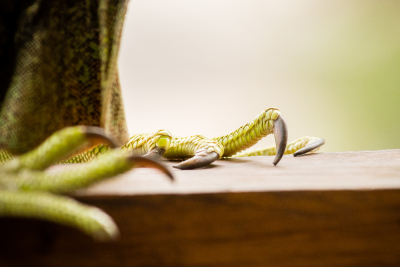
149	163
201	159
310	147
281	137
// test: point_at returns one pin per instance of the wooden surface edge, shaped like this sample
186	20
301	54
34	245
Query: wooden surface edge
285	228
364	170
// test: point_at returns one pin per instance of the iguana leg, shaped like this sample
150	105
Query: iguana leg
25	180
296	147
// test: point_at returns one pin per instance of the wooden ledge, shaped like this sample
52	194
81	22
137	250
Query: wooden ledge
322	171
326	209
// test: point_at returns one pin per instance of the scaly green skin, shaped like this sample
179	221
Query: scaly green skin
249	134
108	165
139	144
5	156
58	68
186	147
291	148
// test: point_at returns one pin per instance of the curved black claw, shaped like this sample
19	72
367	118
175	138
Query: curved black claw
97	136
156	153
199	160
149	163
281	137
310	147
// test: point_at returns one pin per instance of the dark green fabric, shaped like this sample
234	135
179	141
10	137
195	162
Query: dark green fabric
58	68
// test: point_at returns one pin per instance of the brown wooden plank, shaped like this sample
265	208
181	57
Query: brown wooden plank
351	217
322	171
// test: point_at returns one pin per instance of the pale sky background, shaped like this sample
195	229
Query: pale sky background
207	67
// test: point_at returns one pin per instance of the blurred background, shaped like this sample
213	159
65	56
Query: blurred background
208	67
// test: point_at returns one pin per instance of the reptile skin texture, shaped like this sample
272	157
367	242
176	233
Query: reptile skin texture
63	58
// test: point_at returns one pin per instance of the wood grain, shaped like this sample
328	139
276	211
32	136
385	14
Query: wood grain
327	209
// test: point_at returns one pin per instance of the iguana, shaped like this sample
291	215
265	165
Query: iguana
60	101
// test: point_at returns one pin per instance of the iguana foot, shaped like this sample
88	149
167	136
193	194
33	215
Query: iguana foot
199	151
25	180
206	151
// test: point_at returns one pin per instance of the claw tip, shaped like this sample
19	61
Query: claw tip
281	134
